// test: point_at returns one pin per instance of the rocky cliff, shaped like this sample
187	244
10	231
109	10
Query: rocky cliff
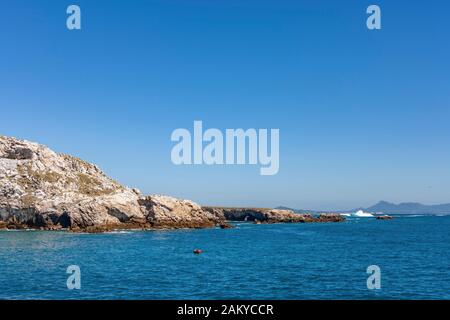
42	189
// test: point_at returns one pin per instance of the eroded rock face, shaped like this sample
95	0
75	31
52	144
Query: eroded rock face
42	189
163	211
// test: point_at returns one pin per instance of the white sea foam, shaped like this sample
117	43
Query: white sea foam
118	232
362	214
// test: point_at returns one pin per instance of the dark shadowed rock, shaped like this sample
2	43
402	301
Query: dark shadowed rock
385	217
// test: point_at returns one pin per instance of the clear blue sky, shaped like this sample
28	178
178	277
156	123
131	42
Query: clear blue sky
363	115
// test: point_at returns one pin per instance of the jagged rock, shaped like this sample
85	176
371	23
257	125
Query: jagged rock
163	211
42	189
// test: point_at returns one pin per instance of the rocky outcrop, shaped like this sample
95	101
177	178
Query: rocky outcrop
43	189
164	211
385	217
261	215
330	217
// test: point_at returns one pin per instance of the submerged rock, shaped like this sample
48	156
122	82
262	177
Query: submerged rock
385	217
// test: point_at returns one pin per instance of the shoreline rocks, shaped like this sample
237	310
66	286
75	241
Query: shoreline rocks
41	189
263	215
385	217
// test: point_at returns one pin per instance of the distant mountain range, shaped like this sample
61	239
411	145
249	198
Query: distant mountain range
409	208
392	208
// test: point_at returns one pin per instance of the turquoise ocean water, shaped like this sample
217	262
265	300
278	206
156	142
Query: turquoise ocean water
279	261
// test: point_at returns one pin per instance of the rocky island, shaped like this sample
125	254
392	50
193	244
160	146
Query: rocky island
41	189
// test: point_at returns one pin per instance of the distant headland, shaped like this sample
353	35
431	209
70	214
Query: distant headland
391	208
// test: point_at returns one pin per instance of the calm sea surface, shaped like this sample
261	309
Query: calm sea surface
280	261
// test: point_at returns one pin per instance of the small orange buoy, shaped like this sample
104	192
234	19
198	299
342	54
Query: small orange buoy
198	251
